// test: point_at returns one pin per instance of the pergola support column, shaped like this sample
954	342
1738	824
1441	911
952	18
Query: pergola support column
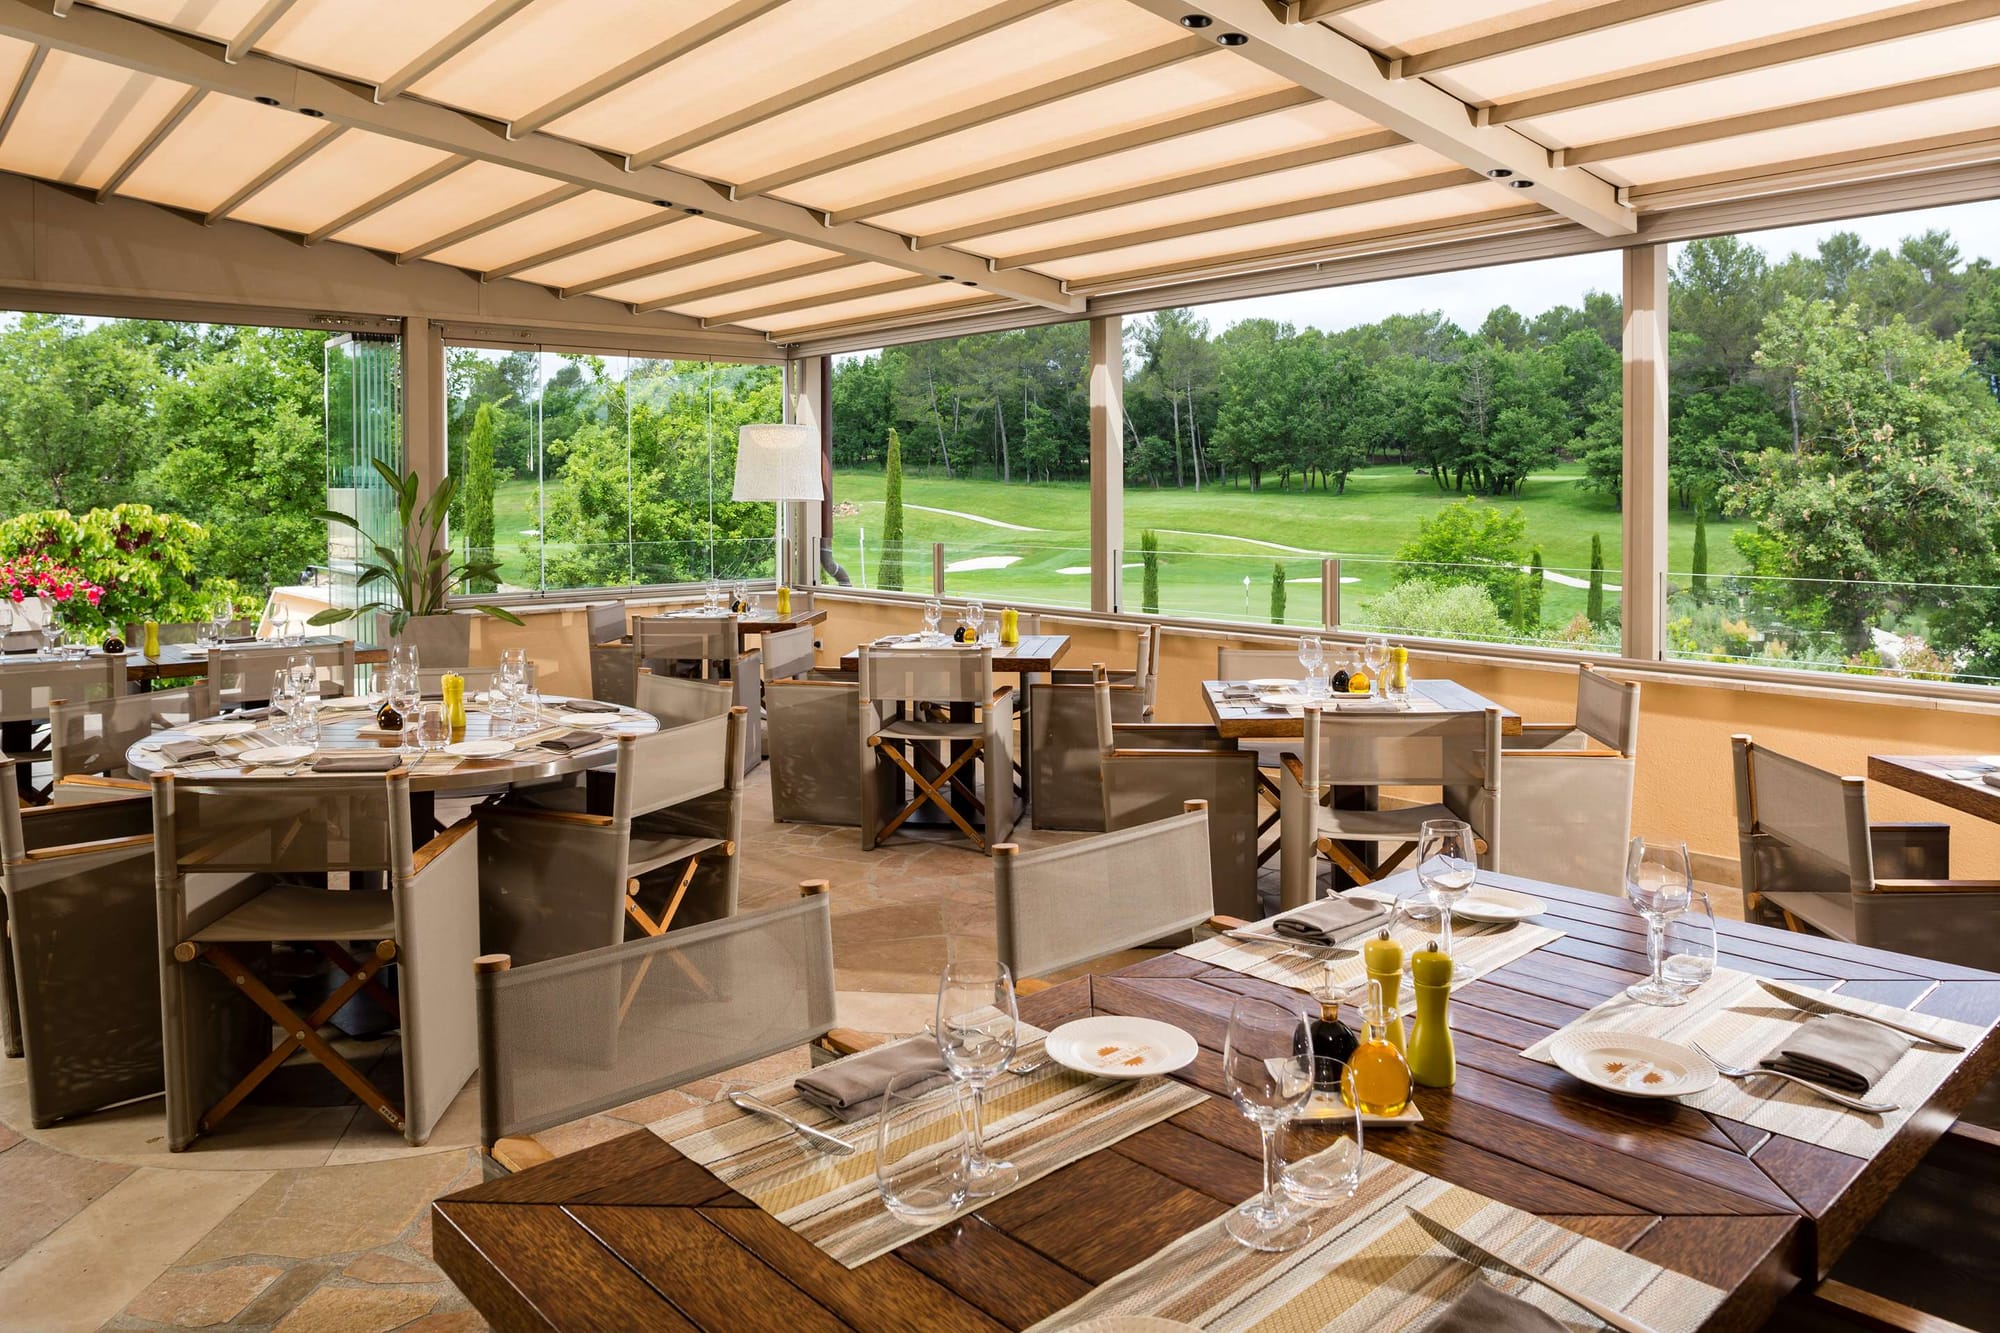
1645	487
1107	462
424	443
806	387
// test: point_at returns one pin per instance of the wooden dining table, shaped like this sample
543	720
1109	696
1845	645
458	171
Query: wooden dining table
630	1234
1249	720
1955	780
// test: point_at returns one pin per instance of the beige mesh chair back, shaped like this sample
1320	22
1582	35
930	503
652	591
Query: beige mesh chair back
559	882
963	767
1812	860
188	631
1457	753
93	737
789	653
1068	778
430	680
569	1037
606	622
241	863
709	641
677	702
1568	814
1253	663
243	675
1068	904
27	689
812	725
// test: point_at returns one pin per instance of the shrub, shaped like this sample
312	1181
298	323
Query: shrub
143	560
1437	610
1149	559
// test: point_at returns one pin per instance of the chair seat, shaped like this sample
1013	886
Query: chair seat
1831	914
1401	825
300	912
650	853
917	729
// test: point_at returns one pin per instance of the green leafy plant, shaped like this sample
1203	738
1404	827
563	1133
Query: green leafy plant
419	572
1149	560
1593	600
142	561
1277	593
890	574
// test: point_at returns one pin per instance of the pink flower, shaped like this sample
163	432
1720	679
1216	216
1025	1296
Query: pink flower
18	595
94	594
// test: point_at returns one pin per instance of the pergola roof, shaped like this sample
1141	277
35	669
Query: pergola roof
802	168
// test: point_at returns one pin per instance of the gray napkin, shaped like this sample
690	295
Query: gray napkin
1484	1308
571	741
359	762
1238	692
1333	920
1845	1053
852	1088
180	752
587	706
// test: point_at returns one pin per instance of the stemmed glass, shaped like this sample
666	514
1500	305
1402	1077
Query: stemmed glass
1690	946
284	701
1312	657
1267	1067
711	594
1447	866
978	1029
51	629
405	693
973	618
1375	656
933	616
1658	881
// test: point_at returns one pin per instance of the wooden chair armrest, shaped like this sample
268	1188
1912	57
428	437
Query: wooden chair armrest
1937	886
847	1041
108	784
442	843
1220	923
518	1152
1551	728
91	848
1879	1312
545	816
1292	764
1031	986
1002	692
1592	751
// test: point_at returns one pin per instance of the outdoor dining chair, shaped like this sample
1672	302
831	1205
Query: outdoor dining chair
243	863
935	716
555	881
1069	782
676	701
1568	814
29	688
702	648
1457	753
813	726
93	737
239	676
569	1037
1813	861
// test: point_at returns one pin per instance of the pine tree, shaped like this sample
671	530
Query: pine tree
1536	581
891	574
478	493
1700	580
1149	557
1277	593
1593	606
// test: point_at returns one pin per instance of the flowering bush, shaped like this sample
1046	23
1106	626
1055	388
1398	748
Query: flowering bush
123	564
38	576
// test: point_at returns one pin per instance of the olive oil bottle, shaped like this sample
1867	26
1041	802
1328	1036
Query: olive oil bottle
1377	1081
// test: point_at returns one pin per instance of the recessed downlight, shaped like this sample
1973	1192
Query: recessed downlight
1521	183
663	203
1500	173
692	212
267	101
1196	21
1232	39
312	111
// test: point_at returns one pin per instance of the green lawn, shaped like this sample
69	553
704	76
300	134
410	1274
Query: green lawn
1212	539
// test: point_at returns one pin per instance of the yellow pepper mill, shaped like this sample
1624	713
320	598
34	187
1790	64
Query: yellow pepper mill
1433	1062
454	703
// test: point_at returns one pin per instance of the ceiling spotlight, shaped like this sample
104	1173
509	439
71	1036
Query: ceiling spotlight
312	111
267	101
663	203
967	282
1521	183
1195	21
1232	39
692	212
1500	173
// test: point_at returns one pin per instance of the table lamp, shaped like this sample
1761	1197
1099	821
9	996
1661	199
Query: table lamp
778	461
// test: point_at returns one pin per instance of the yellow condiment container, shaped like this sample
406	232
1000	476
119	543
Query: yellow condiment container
1010	626
1433	1061
152	638
454	701
1399	667
784	600
1383	958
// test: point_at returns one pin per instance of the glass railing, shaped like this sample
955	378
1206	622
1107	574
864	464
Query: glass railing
557	566
1916	631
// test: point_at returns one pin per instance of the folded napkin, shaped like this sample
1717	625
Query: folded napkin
852	1088
1239	692
587	706
1333	920
571	741
1484	1308
359	762
1991	779
241	638
1850	1054
181	752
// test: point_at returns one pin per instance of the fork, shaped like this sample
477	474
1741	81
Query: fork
1840	1098
1030	1065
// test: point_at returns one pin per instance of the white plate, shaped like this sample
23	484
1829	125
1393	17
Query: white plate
1271	683
273	754
479	749
1632	1063
1490	902
208	729
932	647
1116	1047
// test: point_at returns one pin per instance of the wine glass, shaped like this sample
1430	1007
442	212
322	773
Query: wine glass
977	1030
1447	865
933	616
1267	1067
973	618
284	700
1312	658
1375	656
51	629
1658	880
1690	946
405	693
711	594
920	1149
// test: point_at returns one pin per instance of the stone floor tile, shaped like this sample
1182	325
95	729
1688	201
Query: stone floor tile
876	1011
202	1298
456	1321
297	1283
87	1270
8	1138
43	1190
356	1310
387	1270
330	1211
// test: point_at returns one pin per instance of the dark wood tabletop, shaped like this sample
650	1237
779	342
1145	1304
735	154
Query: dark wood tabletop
629	1234
1034	654
1931	777
770	622
175	660
1251	721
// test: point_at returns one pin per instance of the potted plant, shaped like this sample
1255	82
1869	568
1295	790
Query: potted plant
420	574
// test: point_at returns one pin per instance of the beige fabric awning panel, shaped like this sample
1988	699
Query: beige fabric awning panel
804	166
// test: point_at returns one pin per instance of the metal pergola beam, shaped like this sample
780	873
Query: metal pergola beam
1268	165
102	35
700	33
395	194
446	47
527	207
797	303
1527	36
151	143
1742	60
581	245
923	132
320	138
734	285
741	245
253	32
873	65
1314	56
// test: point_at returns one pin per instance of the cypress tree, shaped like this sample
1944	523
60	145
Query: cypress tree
891	573
1536	580
1700	580
478	493
1593	605
1277	593
1149	557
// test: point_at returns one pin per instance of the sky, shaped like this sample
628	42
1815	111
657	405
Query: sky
1465	298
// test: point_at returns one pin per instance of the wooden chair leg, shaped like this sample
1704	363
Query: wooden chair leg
1395	859
929	791
1346	860
376	991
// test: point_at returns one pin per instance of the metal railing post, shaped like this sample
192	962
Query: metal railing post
937	569
1329	593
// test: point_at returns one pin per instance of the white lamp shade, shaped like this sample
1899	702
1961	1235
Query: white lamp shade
776	461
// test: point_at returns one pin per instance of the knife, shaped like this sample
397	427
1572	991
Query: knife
1813	1004
1479	1254
825	1142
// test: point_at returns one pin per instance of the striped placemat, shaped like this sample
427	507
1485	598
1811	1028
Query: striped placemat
1478	947
1370	1266
1736	1019
1040	1121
